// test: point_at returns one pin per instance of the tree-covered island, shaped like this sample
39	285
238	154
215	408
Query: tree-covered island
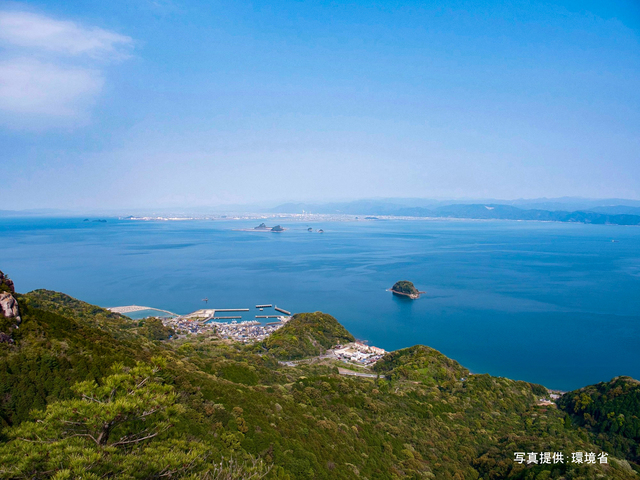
405	288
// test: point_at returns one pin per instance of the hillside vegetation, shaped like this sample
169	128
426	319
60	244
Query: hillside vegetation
420	363
611	410
86	394
306	335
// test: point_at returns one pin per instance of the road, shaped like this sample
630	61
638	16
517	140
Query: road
344	371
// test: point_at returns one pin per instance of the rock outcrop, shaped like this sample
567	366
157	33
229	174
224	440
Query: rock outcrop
9	309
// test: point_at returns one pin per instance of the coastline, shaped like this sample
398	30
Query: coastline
204	257
307	217
412	296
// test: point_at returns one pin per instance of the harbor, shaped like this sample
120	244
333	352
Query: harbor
216	320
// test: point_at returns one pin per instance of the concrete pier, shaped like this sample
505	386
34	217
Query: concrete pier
137	308
282	310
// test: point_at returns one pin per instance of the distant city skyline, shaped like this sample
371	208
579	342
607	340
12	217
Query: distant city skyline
193	104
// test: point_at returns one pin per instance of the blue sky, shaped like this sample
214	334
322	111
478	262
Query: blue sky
160	104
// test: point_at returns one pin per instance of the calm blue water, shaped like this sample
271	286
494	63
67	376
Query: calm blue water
557	304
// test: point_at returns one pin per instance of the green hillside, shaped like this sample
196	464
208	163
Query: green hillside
421	363
611	411
85	393
306	335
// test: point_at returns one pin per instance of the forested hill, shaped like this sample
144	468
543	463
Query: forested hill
306	335
611	411
87	393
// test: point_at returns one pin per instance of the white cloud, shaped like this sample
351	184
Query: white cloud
29	30
52	71
33	87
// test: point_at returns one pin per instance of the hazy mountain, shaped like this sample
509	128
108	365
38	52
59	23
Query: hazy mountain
604	214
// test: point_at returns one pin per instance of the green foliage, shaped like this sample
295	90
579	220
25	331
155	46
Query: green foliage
110	413
154	329
6	284
239	373
51	353
420	363
95	431
90	315
228	401
611	410
108	430
6	324
404	286
306	335
539	390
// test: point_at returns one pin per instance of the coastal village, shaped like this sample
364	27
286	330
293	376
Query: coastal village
243	332
229	324
248	332
233	328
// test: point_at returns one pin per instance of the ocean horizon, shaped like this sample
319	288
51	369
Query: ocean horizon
550	303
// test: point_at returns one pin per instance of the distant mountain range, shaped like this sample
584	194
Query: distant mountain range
565	209
596	214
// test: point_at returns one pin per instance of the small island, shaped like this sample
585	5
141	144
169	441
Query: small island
406	289
263	227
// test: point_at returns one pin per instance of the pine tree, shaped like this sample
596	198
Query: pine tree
113	430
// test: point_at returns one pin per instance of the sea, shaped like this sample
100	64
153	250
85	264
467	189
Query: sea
551	303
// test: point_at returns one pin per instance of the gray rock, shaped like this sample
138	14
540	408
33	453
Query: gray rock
9	307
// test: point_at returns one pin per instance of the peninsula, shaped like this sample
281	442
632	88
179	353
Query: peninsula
405	288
